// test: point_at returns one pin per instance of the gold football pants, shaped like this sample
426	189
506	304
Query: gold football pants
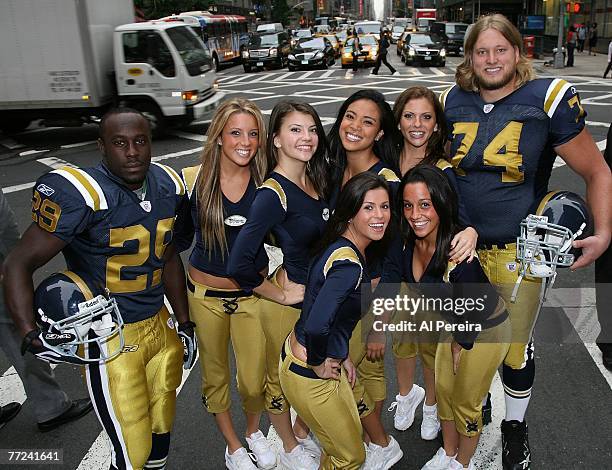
134	394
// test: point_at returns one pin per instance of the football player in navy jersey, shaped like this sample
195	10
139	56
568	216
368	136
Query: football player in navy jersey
318	347
420	119
291	206
113	223
221	190
506	128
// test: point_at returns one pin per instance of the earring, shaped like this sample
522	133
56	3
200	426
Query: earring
219	142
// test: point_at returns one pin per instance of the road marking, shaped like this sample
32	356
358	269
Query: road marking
437	71
306	75
283	76
239	79
78	144
488	453
55	162
32	152
327	74
559	162
11	144
262	77
189	135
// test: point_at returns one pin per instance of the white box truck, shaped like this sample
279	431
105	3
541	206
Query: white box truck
68	61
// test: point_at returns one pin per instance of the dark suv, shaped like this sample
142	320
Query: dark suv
452	34
266	50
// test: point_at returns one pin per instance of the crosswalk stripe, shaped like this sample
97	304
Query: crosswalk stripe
327	74
262	77
437	71
307	74
283	76
239	79
55	162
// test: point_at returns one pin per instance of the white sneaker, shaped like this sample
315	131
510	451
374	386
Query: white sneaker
440	461
239	460
260	447
405	406
382	458
454	465
298	459
431	424
396	73
310	445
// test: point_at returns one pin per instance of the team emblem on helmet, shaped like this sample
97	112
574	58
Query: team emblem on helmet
70	316
545	241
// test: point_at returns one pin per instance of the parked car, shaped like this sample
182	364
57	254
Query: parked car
423	49
312	52
369	51
452	34
266	50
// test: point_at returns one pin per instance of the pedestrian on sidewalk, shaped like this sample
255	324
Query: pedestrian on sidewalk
52	407
581	37
382	54
571	45
593	39
609	61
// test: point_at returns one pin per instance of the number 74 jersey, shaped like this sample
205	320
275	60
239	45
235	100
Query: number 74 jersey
115	238
503	152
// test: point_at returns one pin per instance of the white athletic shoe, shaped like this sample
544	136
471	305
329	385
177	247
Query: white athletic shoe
260	447
382	458
405	406
430	425
239	460
396	73
454	465
440	461
310	445
298	459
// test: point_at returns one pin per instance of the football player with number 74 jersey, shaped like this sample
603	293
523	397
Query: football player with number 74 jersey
506	130
114	224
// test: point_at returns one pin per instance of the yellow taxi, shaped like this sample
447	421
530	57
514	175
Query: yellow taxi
369	50
401	41
335	42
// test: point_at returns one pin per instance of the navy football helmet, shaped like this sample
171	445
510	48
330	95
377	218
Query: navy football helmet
547	234
69	315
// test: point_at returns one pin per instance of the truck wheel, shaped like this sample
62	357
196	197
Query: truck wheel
154	116
13	125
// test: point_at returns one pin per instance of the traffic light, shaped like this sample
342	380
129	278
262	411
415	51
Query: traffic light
577	7
573	7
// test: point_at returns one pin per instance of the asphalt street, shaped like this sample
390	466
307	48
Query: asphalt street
570	416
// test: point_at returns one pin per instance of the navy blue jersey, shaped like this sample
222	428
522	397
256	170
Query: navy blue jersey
447	168
455	282
503	152
296	221
332	302
114	238
214	260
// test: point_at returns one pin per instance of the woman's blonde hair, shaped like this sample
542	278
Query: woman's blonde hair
208	184
465	76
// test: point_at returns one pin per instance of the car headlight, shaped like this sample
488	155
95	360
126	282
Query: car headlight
442	52
318	55
411	52
245	54
273	52
374	51
291	57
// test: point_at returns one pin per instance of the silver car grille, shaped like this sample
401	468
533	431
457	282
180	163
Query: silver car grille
259	52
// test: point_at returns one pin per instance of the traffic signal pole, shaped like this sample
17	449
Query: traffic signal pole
559	61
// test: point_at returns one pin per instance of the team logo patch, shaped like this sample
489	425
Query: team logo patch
170	323
235	221
277	403
128	348
146	206
326	214
46	190
487	108
511	266
471	426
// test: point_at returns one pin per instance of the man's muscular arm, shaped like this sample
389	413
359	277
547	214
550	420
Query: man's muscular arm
34	250
582	155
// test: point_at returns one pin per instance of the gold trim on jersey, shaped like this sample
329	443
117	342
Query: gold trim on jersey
80	283
275	186
88	187
444	94
443	164
178	182
344	253
389	175
190	176
555	92
544	201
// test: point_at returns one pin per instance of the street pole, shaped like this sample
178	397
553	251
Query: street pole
558	64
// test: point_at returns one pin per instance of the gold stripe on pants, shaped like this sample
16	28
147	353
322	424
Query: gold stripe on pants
219	320
327	406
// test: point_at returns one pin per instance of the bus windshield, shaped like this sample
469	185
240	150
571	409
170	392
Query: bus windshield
191	49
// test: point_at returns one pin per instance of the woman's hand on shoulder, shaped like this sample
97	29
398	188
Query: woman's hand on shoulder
463	245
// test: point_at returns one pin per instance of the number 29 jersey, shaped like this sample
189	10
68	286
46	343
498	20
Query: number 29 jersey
115	239
503	152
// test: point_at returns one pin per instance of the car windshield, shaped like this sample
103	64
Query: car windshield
332	39
398	29
456	28
342	35
421	40
191	49
368	28
303	33
263	40
312	43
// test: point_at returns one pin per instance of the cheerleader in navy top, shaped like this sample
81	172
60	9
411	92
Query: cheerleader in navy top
316	371
291	210
468	356
221	191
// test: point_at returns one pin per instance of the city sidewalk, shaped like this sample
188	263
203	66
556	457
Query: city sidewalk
585	65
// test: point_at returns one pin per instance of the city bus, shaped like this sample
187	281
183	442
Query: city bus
225	35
